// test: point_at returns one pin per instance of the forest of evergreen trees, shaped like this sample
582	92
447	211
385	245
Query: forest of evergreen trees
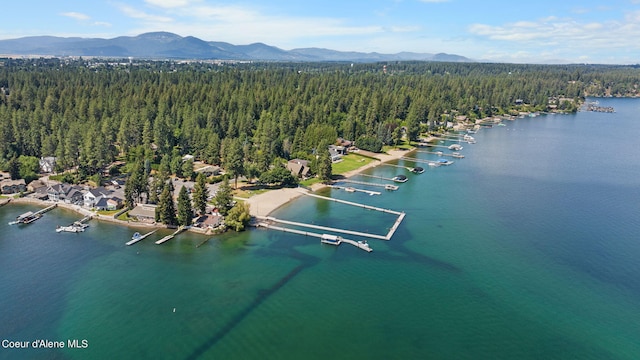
88	113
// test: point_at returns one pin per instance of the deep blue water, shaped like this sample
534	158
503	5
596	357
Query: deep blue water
525	249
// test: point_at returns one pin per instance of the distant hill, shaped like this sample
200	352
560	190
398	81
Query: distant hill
165	45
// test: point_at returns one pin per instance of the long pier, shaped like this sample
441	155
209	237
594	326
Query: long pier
169	237
369	207
386	186
49	208
360	245
377	177
352	189
440	153
142	237
325	228
424	161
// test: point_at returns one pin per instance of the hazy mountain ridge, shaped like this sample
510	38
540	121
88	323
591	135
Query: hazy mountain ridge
168	45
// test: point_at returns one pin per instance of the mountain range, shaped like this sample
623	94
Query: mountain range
165	45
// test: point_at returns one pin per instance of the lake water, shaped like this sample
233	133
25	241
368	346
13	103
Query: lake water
526	249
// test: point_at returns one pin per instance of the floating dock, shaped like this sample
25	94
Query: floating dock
324	238
169	237
140	238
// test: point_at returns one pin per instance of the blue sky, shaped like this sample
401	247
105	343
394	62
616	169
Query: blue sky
523	32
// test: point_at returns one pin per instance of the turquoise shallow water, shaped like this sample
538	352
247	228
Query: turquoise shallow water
525	249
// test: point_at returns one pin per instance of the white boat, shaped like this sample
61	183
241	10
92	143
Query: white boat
445	162
136	236
417	170
455	147
349	189
70	228
391	187
457	155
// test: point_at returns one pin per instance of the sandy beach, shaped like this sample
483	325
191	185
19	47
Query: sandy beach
266	203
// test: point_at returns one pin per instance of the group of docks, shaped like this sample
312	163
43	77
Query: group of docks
268	222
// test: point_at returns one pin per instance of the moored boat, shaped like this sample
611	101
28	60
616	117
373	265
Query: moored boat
400	178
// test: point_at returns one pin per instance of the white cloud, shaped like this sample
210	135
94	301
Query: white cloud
168	3
566	32
242	25
76	15
138	14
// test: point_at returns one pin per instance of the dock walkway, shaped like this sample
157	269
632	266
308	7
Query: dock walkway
169	237
361	245
142	237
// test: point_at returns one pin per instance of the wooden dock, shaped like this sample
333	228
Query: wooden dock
169	237
324	228
142	237
369	207
49	208
440	153
377	177
424	161
352	189
365	183
361	245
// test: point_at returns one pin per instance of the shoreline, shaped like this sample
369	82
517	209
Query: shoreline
266	203
260	205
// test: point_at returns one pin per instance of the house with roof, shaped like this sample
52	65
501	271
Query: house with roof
35	185
114	203
58	192
299	168
209	170
12	186
337	152
209	221
92	197
47	164
144	213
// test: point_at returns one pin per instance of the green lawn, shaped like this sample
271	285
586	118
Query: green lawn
350	162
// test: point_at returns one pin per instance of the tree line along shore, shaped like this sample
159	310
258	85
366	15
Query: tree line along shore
104	119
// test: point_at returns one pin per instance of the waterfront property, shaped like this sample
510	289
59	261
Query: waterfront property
144	213
12	186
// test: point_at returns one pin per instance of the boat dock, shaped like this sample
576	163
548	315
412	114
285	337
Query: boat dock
169	237
424	161
324	238
49	208
377	177
325	228
352	189
386	186
440	153
140	238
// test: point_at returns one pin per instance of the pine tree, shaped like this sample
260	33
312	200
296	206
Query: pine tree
166	210
324	162
200	194
223	197
185	211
